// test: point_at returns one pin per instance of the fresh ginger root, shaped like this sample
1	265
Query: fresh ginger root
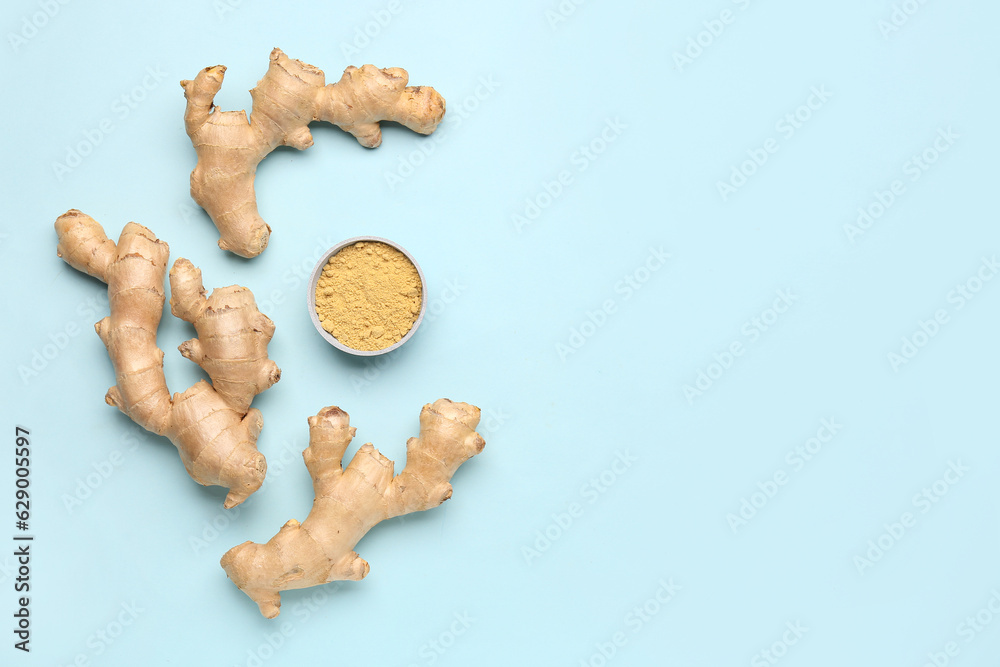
349	502
291	95
212	425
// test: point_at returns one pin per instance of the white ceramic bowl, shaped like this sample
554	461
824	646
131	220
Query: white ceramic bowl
318	271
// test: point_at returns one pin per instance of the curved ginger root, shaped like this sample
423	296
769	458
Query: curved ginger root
349	502
290	95
212	425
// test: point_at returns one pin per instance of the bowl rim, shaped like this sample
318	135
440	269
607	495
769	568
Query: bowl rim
314	279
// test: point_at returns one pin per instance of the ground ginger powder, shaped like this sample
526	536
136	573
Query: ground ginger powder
368	296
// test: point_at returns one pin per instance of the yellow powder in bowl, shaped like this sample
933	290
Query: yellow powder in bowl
368	296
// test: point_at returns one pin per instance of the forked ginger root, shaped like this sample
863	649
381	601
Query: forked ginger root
349	502
212	425
290	95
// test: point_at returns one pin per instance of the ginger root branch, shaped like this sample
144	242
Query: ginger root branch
350	501
212	426
288	97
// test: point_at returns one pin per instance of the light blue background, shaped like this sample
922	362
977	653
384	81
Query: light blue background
554	422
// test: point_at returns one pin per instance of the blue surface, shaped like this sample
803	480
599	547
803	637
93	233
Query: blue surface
602	524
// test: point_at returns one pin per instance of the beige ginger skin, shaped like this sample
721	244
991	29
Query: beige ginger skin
350	501
290	95
212	425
